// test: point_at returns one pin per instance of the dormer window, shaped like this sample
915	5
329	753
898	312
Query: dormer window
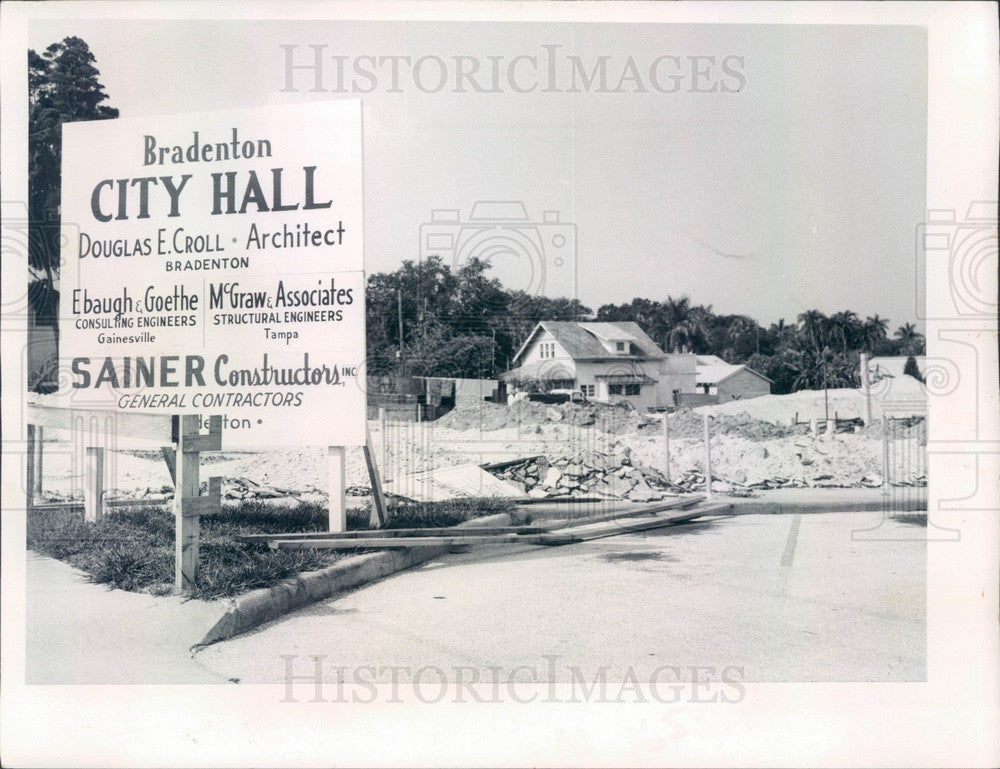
621	346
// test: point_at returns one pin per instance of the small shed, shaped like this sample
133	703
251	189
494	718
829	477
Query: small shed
729	382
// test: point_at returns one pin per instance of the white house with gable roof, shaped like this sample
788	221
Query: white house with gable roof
608	361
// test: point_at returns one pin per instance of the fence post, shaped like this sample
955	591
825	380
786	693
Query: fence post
708	456
866	388
93	487
666	447
30	469
337	488
39	459
886	423
383	443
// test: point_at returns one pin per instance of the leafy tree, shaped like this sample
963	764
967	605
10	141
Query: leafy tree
442	307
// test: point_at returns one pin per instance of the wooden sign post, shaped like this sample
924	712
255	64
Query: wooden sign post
338	488
189	506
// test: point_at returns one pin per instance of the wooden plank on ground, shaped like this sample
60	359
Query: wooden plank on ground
564	536
589	531
615	509
347	543
388	533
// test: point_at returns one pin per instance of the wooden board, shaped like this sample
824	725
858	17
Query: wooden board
562	536
390	533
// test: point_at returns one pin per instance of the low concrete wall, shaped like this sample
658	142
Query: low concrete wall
259	606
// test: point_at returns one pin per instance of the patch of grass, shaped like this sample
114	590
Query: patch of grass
914	519
132	548
422	515
128	548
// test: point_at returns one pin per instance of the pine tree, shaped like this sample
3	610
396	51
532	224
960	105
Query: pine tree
63	87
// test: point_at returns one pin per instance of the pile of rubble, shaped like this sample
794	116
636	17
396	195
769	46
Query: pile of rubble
614	475
608	475
234	490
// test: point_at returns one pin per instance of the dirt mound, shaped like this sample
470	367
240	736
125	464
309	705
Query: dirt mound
901	395
687	424
490	416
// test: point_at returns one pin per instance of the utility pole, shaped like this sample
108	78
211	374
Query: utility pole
399	315
826	390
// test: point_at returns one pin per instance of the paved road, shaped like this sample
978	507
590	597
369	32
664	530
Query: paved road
820	597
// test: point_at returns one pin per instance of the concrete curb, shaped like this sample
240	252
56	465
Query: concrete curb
259	606
763	506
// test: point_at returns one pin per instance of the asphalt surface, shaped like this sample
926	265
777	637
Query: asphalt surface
817	597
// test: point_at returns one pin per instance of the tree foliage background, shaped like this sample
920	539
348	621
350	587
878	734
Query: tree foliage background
463	322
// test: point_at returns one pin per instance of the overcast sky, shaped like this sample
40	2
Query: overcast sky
801	190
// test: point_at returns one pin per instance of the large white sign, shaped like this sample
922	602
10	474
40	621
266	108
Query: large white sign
213	264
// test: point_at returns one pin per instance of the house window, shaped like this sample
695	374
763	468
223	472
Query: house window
624	389
620	346
588	390
547	350
631	389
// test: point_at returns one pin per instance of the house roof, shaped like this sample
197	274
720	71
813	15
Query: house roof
719	372
582	341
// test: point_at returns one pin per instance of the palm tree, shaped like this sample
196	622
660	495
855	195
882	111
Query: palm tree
845	326
874	330
815	326
686	323
909	340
